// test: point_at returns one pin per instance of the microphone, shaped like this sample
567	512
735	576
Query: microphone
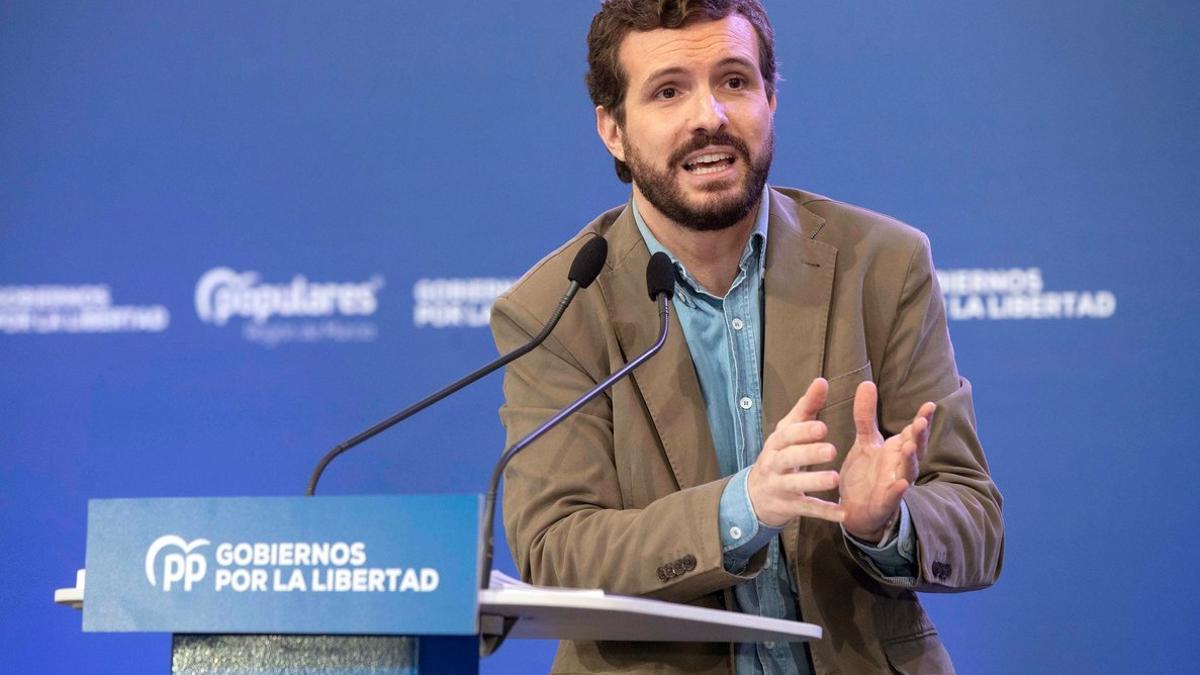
584	270
660	284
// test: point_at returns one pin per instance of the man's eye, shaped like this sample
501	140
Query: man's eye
736	82
667	93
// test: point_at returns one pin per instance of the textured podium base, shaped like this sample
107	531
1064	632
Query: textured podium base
322	655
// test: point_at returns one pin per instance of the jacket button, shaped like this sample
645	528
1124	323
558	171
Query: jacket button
663	575
689	562
940	570
677	568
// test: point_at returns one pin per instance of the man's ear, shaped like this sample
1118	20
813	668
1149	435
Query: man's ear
610	133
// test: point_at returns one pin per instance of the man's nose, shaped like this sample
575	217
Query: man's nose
709	113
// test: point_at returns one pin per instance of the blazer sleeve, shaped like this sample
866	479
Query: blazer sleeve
955	507
564	516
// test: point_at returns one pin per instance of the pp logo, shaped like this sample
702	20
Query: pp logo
177	566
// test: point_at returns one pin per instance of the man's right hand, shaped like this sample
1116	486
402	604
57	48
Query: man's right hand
779	480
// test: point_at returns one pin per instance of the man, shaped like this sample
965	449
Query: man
803	446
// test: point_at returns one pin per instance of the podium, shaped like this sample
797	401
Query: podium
363	584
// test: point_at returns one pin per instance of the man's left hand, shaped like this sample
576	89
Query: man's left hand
877	472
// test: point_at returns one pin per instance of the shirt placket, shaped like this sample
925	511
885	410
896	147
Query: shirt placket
745	403
741	327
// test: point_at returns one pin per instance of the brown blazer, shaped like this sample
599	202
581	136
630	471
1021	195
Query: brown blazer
629	486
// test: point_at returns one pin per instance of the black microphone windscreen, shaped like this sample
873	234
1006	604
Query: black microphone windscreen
660	276
586	266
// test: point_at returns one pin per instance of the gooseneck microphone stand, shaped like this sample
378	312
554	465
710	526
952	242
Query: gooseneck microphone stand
584	269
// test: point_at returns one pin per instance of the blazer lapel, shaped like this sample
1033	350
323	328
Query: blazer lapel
667	382
799	290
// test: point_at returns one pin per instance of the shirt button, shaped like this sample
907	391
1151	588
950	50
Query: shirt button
746	403
735	532
737	324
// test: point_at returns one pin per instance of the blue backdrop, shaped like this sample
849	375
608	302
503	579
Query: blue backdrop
232	234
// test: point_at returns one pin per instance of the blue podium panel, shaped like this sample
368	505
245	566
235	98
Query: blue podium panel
395	565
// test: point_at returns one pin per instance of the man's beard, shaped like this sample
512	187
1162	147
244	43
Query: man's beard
663	191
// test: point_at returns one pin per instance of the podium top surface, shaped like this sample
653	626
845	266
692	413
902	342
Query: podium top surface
566	615
561	614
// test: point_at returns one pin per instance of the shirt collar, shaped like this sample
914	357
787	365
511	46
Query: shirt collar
756	247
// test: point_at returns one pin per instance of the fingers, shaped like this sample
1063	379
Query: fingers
925	414
921	426
794	434
808	405
795	457
810	481
917	431
778	484
811	507
908	466
779	498
865	400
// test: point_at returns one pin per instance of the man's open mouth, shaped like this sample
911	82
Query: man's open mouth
709	163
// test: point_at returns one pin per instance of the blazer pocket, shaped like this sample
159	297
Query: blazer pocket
842	387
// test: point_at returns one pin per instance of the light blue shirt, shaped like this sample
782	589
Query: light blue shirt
724	336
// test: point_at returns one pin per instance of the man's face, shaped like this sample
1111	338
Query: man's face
698	134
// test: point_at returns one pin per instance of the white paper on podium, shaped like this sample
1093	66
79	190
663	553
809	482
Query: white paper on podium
502	582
